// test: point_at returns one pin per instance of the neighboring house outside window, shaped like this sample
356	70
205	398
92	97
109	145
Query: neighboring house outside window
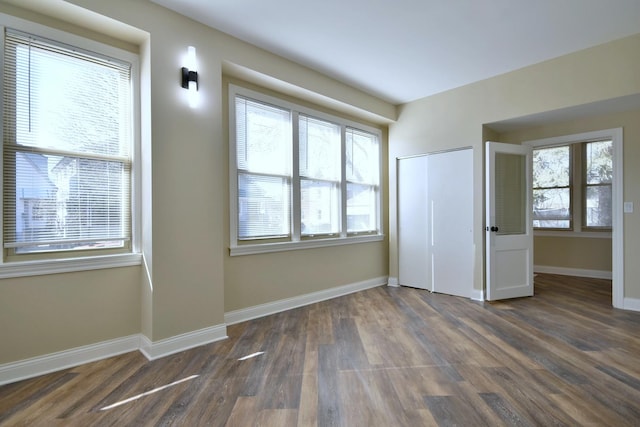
299	177
68	145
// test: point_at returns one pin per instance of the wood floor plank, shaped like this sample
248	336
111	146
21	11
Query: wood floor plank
277	417
381	357
504	410
329	413
244	412
308	409
451	411
103	376
35	406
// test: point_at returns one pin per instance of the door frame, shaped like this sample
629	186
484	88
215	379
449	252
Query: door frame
617	186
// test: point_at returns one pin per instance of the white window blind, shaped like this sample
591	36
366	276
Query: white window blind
263	144
320	174
67	137
362	175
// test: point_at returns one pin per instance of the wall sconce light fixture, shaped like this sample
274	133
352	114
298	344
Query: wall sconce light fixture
190	76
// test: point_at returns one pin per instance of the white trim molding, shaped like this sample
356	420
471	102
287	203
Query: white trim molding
262	310
477	294
35	366
156	349
40	365
55	266
631	304
307	244
578	272
393	281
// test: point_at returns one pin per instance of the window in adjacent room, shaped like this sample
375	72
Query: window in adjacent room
572	186
299	177
67	148
597	179
552	207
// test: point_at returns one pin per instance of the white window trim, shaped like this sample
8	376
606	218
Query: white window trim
235	248
100	260
573	233
616	137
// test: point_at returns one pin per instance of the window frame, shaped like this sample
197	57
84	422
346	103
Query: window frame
21	265
297	241
577	141
572	201
585	186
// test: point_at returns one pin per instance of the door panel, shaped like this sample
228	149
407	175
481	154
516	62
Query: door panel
413	223
451	198
509	239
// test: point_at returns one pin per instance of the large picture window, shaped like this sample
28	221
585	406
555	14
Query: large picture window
298	175
67	148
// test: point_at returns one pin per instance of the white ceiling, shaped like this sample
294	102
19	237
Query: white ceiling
402	50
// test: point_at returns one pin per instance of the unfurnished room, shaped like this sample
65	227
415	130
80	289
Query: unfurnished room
338	213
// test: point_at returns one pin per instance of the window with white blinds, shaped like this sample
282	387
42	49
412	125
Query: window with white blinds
362	174
299	175
320	176
67	144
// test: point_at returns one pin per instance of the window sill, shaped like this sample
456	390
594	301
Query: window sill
587	234
307	244
54	266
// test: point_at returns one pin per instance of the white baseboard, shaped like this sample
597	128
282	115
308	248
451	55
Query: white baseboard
40	365
393	281
631	304
578	272
35	366
262	310
477	295
157	349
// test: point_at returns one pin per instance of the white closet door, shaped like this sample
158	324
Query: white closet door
450	192
435	222
413	223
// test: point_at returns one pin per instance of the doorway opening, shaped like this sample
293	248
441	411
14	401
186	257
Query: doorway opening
588	226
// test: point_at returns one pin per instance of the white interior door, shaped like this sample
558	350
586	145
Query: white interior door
413	224
509	230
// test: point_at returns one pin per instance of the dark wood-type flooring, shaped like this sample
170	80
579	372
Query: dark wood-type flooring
381	357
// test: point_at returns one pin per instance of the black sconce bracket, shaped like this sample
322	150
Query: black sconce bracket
189	76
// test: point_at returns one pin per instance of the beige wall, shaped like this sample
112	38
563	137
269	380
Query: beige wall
456	119
46	314
188	280
573	252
